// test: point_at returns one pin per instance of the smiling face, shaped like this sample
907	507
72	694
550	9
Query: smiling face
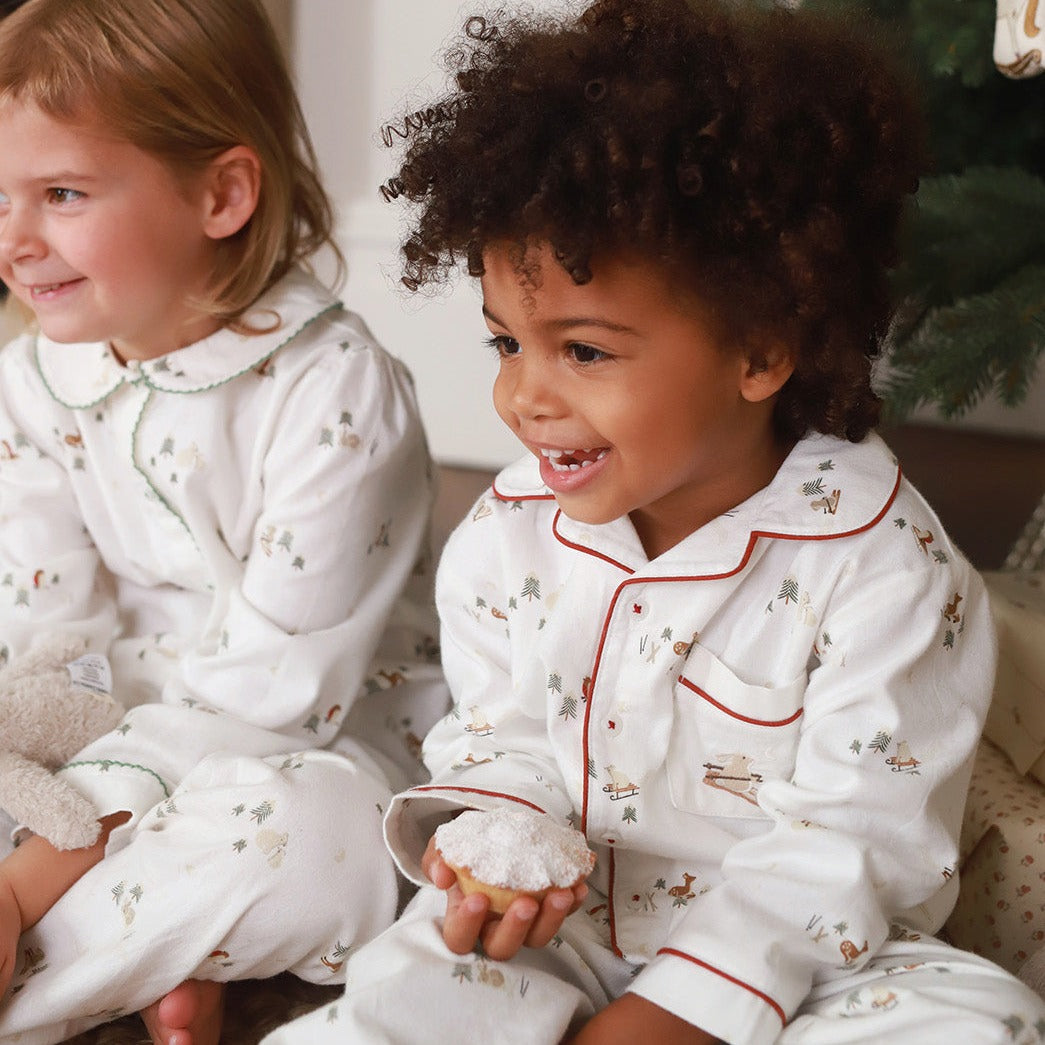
99	238
629	401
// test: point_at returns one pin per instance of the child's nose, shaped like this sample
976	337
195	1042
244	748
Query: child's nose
531	391
19	237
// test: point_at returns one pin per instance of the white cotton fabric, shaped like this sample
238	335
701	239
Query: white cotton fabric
765	733
241	526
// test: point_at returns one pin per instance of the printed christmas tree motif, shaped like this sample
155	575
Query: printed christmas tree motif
382	538
531	588
826	466
591	768
259	814
513	603
516	506
555	682
239	845
166	809
788	591
347	438
854	999
856	747
462	971
813	488
900	524
167	447
298	563
630	815
291	762
337	957
568	708
326	437
948	639
881	742
940	557
239	810
311	724
286	540
841	928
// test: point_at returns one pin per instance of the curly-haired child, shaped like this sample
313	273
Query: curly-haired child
706	620
210	472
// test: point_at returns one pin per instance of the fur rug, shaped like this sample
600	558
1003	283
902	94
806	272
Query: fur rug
252	1009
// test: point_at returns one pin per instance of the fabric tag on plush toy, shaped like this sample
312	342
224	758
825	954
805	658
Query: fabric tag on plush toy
91	672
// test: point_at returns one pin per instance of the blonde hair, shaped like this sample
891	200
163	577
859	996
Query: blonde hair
184	80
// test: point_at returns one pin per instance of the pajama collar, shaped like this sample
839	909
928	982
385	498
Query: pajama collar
827	488
79	376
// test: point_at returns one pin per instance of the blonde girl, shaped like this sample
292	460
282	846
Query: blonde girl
217	479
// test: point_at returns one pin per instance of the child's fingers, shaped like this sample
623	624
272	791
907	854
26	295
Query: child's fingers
441	876
503	937
555	908
465	917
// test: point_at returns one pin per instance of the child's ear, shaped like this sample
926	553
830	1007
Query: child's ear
765	371
233	182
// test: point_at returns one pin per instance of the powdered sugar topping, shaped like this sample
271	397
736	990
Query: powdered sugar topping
515	849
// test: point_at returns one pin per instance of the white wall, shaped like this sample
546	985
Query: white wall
357	62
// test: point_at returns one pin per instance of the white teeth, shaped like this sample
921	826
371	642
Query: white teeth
555	459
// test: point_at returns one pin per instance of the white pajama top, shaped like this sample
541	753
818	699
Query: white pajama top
241	525
766	733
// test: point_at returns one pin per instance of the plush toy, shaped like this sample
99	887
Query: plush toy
54	700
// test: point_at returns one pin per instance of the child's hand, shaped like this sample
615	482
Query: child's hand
632	1018
526	923
10	931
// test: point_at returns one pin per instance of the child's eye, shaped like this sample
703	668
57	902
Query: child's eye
503	345
60	195
585	353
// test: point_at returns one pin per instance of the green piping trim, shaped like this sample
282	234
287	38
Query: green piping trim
123	765
335	307
51	392
145	475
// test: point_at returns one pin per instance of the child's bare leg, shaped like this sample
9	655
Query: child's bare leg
33	878
190	1014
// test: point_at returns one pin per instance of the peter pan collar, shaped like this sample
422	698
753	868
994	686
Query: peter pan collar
827	488
79	376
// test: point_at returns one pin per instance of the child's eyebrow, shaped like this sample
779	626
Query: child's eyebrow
569	322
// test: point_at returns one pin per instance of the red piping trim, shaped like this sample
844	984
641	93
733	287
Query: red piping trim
581	548
732	714
479	791
754	537
520	497
725	975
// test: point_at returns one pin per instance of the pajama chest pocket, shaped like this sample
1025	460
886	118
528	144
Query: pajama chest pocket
728	737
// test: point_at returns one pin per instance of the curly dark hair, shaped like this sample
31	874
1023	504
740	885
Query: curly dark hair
762	154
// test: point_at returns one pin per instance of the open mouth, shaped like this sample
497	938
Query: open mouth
574	460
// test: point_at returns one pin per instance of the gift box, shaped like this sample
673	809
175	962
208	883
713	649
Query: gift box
1016	721
1000	912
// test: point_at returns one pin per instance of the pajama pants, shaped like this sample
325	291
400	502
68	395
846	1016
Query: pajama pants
253	864
407	988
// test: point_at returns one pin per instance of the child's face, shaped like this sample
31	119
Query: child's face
621	390
99	238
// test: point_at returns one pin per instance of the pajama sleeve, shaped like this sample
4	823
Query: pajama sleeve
338	537
864	840
492	749
51	576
